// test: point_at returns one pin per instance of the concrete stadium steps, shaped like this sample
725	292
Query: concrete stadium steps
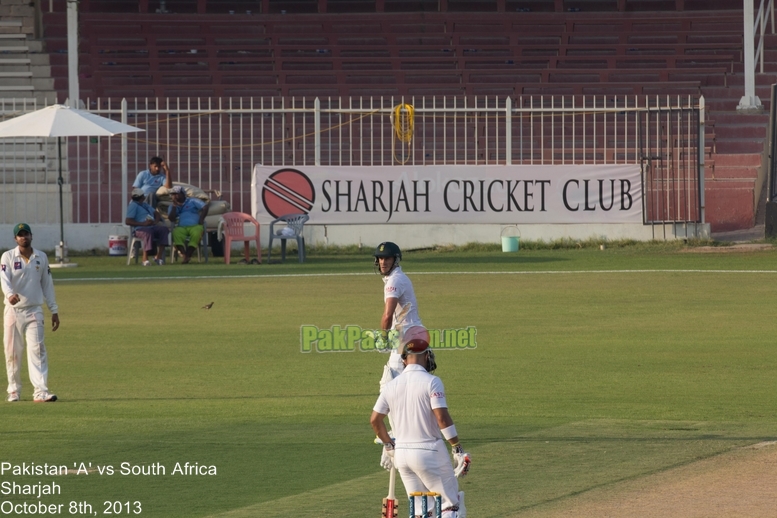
15	73
204	83
724	99
26	160
376	90
740	138
196	60
736	164
732	203
24	67
661	52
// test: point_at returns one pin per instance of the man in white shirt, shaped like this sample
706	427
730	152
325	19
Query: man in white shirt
400	311
26	281
420	418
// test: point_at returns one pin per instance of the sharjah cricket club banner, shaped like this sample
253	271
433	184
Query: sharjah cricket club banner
450	194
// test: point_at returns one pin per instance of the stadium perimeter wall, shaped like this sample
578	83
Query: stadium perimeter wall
83	237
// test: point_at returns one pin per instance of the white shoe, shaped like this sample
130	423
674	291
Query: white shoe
12	396
160	262
146	263
45	397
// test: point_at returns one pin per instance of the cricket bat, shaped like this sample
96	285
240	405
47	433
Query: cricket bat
390	502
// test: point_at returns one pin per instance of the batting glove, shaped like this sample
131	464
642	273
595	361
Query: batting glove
382	342
380	443
387	457
380	339
461	462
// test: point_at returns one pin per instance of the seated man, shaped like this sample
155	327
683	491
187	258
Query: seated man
157	175
146	223
190	213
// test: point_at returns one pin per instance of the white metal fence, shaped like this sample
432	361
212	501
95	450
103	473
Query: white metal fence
214	143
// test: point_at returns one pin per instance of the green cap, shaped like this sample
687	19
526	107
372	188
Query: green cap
21	227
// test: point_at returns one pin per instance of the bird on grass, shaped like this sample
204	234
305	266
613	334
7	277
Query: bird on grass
207	306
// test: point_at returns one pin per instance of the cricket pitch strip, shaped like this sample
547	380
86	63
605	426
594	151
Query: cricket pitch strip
737	483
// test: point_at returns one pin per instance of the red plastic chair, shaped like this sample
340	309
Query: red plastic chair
233	229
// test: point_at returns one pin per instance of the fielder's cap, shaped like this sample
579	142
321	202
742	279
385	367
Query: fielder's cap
21	227
177	190
415	340
137	193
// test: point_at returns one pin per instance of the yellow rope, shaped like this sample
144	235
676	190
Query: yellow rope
403	119
404	115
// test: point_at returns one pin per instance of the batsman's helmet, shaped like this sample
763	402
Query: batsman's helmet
416	341
387	249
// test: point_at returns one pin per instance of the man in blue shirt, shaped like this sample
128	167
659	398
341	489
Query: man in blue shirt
156	176
190	213
146	223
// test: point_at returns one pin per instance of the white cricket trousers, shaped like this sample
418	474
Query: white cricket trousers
391	370
427	468
19	324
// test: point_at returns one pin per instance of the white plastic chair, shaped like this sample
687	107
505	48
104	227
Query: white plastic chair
134	242
295	222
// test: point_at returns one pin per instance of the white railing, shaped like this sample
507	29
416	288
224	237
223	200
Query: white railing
214	144
754	29
765	13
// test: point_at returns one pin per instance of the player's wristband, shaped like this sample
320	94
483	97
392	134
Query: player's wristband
456	448
450	432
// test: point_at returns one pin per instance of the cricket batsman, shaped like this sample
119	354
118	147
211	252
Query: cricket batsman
400	311
421	420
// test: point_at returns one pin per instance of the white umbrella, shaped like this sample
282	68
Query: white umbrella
62	121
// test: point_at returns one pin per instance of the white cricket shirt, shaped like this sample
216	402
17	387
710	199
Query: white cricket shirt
31	281
398	286
410	397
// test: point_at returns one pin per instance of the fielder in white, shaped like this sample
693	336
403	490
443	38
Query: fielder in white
26	281
400	310
416	400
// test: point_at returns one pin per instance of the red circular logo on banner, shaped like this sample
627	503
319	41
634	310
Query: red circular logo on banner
288	191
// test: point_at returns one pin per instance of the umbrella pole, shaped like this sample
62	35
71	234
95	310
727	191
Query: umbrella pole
61	209
61	252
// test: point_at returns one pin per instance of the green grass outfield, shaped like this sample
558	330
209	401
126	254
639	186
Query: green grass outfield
592	367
